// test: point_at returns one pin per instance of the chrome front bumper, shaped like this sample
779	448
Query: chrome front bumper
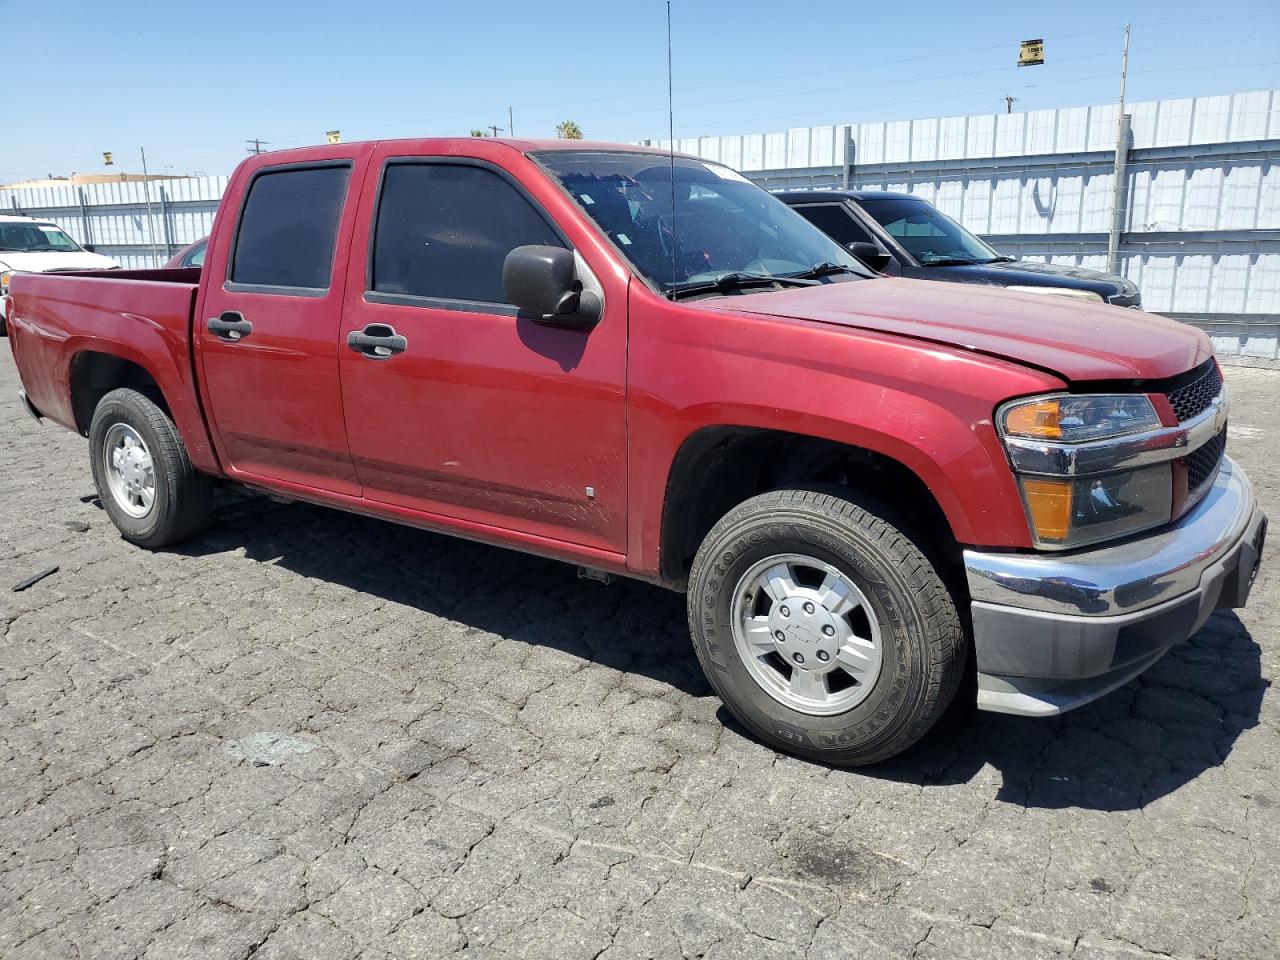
1054	631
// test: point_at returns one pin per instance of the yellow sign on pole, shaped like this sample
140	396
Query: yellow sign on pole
335	136
106	158
1031	53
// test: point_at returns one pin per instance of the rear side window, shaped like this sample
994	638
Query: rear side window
288	228
445	229
836	222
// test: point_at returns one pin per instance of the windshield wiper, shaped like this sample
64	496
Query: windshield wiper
1000	260
823	269
737	281
948	262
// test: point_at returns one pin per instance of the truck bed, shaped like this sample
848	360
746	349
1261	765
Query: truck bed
60	323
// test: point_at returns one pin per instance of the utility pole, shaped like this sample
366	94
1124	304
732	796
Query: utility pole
511	124
495	128
256	146
1122	153
1008	103
146	192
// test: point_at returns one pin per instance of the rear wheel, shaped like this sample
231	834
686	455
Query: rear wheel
145	479
823	628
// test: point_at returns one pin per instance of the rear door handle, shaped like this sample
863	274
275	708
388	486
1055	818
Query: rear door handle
377	341
230	326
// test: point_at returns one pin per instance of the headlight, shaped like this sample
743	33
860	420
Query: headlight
4	281
1060	292
1074	419
1072	512
1069	453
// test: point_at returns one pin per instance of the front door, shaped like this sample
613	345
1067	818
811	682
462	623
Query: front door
267	330
469	411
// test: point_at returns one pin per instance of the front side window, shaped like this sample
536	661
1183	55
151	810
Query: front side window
836	222
686	222
289	227
926	232
35	238
444	231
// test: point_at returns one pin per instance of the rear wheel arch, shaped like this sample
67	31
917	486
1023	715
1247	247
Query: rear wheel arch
93	374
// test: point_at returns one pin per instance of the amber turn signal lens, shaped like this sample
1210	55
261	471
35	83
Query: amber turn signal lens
1049	506
1039	420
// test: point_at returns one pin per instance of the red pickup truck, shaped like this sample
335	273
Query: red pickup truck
647	366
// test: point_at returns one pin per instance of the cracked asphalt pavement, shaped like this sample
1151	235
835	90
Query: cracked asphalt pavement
307	734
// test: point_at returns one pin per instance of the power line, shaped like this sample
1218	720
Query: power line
256	145
563	105
932	98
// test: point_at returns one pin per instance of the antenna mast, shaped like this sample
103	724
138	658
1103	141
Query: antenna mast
671	152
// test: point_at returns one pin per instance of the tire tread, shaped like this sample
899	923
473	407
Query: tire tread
947	645
189	497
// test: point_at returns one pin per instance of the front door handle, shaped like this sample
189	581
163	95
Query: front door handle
377	341
230	326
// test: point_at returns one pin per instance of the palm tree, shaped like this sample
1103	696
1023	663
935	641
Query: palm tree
478	133
568	131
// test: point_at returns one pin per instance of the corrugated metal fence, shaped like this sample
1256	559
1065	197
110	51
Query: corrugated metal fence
1201	192
1201	195
114	216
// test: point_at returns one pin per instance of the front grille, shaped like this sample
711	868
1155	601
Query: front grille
1202	463
1193	399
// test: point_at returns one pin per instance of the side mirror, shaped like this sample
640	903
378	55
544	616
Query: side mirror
90	247
542	281
868	253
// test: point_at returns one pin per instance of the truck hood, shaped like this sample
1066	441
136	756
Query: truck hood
46	262
1033	273
1074	339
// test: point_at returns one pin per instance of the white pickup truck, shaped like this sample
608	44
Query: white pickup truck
28	245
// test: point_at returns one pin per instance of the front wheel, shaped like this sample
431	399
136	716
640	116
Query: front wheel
823	628
145	479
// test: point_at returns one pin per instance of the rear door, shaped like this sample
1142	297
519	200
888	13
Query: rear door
267	330
474	412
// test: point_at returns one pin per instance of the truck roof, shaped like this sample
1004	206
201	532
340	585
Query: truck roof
846	195
447	145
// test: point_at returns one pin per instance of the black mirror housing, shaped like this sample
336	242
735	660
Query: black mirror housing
868	253
542	281
89	247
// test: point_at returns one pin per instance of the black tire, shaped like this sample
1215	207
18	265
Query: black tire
923	646
183	500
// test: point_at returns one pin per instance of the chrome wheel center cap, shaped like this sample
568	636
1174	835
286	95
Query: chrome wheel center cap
804	633
129	470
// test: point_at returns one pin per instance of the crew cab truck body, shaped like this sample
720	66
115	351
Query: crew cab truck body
647	366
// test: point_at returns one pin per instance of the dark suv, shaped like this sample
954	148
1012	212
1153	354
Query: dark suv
902	235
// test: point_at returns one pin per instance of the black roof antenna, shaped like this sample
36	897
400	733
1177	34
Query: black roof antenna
671	152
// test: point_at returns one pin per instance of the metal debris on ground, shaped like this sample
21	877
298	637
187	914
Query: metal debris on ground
33	579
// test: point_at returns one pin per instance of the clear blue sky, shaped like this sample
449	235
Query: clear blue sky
192	81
